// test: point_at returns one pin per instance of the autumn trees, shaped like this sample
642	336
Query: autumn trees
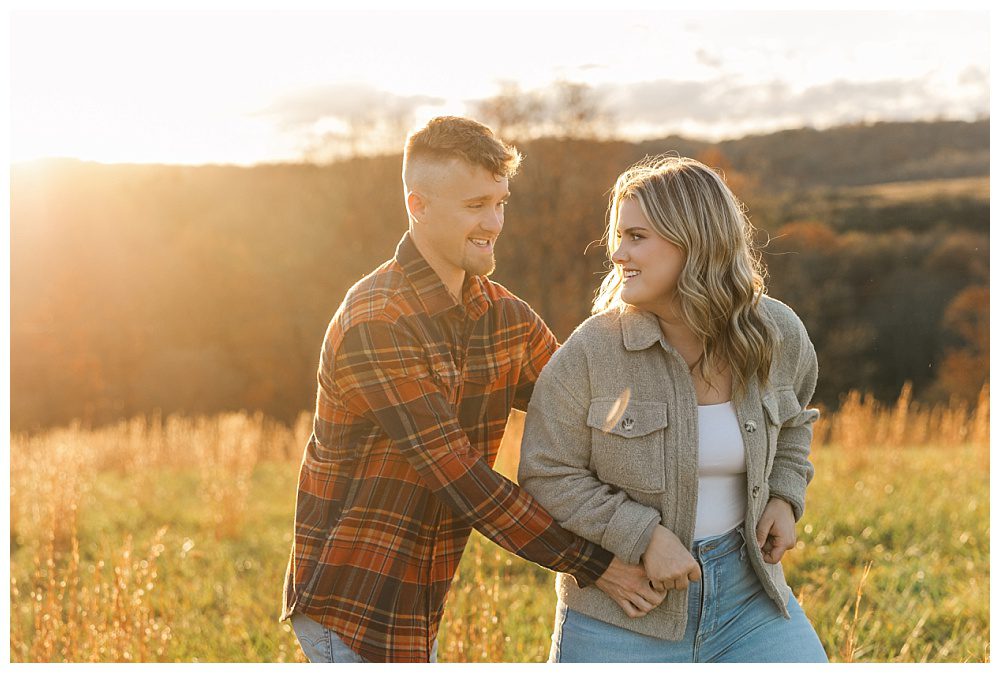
203	289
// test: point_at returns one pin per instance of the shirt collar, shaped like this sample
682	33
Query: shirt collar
430	289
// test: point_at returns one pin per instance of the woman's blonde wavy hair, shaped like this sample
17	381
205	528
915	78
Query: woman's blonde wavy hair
722	281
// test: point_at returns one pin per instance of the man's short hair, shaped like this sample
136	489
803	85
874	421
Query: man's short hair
445	138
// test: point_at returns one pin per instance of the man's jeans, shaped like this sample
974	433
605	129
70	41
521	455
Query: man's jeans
321	645
730	619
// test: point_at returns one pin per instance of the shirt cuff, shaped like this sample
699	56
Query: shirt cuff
597	562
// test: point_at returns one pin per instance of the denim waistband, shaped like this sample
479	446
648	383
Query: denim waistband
720	545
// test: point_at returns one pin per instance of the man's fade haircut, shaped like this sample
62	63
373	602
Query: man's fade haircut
446	138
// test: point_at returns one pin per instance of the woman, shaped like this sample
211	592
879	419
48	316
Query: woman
671	428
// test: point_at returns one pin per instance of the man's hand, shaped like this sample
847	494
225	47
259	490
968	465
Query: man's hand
630	588
776	530
668	562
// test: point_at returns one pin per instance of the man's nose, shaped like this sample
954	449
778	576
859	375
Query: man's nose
493	223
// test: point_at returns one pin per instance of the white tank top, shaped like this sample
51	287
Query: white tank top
722	471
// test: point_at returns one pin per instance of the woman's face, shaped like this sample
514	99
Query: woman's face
650	263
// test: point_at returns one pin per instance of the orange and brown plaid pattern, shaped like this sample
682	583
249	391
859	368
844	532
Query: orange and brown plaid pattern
413	397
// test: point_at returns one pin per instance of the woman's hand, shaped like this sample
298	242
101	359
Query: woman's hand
776	530
668	562
630	588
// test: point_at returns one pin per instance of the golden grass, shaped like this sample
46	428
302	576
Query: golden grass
92	595
97	613
862	422
917	190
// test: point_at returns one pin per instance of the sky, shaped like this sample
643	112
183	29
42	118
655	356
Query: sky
249	87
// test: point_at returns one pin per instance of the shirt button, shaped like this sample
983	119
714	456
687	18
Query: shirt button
756	490
750	426
628	424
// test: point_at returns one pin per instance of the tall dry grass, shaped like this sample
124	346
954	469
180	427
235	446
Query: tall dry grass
862	422
475	633
73	609
89	596
97	612
863	429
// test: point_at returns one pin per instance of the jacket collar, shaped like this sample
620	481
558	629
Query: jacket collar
430	289
640	329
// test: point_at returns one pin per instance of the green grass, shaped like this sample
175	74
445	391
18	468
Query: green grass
919	516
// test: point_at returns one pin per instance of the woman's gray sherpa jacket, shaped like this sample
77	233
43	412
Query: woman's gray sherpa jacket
610	474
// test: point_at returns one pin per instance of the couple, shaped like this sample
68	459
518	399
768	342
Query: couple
665	453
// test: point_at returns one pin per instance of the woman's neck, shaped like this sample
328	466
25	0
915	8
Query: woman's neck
712	386
681	337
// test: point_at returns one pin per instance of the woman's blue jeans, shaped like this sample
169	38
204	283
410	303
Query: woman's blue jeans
730	619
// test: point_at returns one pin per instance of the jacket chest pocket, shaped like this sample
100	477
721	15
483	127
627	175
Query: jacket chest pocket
627	448
780	405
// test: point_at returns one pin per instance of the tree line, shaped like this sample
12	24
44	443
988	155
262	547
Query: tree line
200	289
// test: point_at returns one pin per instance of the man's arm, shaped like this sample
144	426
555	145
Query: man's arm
380	372
539	347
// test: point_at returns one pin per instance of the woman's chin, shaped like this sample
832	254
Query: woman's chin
630	299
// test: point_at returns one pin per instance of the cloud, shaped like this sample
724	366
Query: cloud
724	102
974	76
345	102
707	59
359	116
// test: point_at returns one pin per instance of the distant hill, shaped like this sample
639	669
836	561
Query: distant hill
862	154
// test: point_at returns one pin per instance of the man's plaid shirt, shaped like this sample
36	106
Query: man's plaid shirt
413	397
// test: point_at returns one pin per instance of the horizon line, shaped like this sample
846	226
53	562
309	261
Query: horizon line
304	161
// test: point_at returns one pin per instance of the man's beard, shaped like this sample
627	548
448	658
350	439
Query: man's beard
479	267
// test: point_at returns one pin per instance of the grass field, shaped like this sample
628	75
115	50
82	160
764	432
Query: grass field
167	539
909	191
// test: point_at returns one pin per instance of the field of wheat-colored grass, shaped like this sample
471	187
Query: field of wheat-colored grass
166	539
909	191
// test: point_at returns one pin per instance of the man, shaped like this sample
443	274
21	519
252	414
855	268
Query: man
419	370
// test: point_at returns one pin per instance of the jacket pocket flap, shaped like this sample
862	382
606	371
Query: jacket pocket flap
637	420
781	405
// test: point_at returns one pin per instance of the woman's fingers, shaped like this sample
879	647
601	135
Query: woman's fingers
775	552
694	574
689	572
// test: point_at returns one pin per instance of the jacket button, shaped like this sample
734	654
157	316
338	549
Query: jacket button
628	424
756	490
750	426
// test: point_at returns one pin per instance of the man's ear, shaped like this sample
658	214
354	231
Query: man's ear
416	205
